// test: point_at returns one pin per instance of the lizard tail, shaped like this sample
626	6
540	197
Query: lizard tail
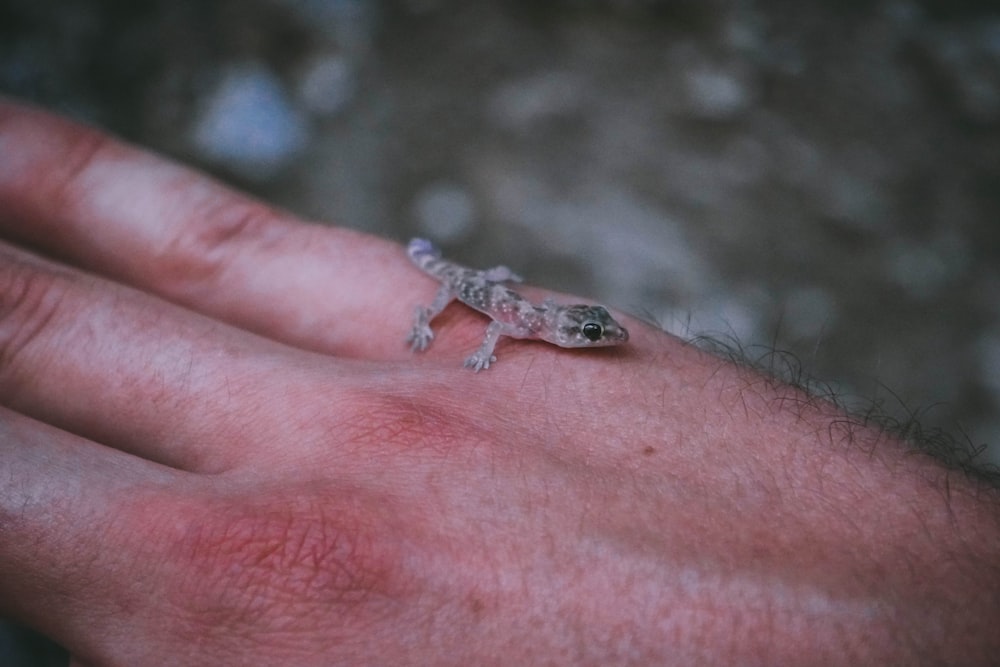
422	248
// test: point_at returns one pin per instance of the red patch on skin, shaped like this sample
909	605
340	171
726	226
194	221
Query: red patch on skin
401	418
271	566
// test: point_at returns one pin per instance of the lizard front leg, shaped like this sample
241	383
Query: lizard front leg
483	357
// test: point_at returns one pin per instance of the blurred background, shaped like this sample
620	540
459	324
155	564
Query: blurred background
817	178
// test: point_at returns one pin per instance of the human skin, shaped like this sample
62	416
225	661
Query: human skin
216	448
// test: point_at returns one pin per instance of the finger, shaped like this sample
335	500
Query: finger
116	558
59	496
128	370
72	192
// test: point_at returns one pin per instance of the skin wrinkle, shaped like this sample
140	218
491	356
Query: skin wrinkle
198	254
320	561
23	300
63	185
55	179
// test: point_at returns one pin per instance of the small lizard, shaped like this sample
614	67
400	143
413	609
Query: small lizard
577	325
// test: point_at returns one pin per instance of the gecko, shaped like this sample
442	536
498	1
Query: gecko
576	325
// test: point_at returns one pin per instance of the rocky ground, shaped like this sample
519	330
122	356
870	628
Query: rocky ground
821	178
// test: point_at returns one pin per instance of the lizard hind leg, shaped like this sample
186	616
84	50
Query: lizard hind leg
501	274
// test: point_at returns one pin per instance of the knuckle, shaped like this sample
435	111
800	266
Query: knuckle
200	251
67	185
249	567
300	556
30	299
381	419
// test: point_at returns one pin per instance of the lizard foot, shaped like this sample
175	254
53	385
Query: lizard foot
478	361
420	337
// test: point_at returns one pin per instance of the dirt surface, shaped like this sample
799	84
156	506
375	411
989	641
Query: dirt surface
821	179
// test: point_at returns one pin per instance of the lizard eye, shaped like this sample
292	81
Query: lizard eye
592	331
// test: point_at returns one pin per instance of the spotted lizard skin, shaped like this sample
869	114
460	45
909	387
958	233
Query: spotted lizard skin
573	326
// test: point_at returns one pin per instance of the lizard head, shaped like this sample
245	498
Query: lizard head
584	326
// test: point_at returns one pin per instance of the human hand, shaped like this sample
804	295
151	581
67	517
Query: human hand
215	448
